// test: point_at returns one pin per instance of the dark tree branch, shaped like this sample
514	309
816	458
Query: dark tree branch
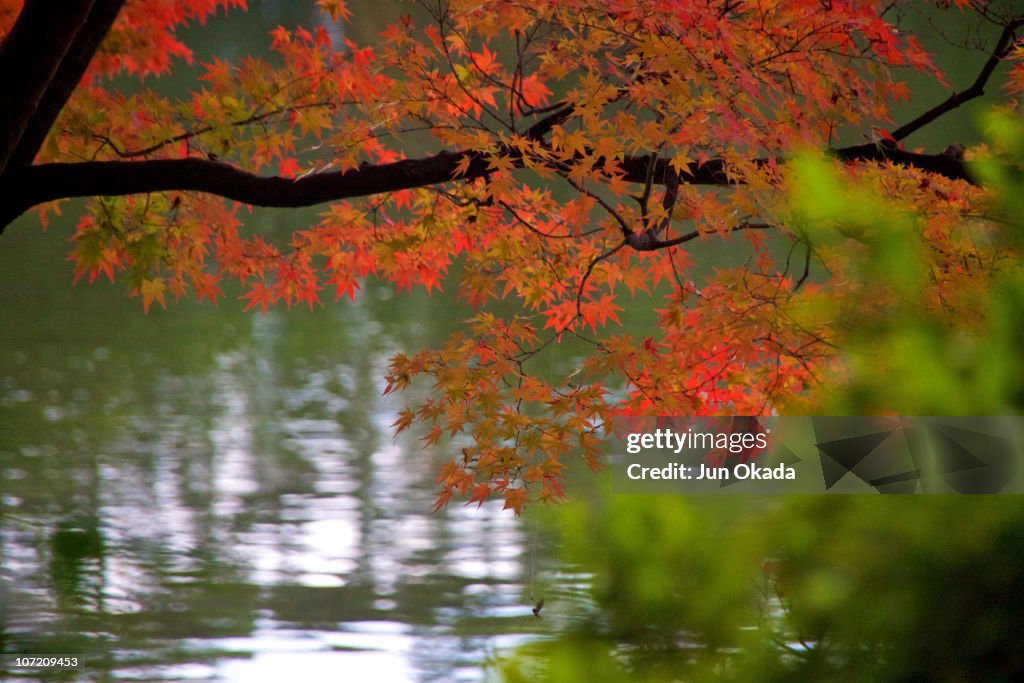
49	47
940	164
557	116
23	188
30	61
46	182
715	171
590	269
649	241
977	89
72	67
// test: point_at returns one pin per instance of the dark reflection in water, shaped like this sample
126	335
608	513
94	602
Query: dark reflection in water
201	494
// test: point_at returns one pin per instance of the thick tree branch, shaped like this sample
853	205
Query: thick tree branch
26	187
30	60
714	171
69	73
45	182
52	42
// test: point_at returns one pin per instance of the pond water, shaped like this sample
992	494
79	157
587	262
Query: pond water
202	494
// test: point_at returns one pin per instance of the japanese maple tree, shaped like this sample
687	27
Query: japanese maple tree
561	155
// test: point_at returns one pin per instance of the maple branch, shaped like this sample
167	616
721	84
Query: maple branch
668	202
1003	46
557	116
627	232
807	262
590	269
715	171
70	73
42	60
23	188
648	241
45	182
442	21
532	228
202	130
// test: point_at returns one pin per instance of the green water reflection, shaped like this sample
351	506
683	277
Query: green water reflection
202	493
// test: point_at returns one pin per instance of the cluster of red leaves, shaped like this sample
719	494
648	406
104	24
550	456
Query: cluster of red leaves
558	98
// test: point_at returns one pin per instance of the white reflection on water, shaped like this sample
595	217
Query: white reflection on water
375	651
259	523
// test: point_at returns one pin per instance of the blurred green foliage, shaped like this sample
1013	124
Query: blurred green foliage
935	322
829	588
836	588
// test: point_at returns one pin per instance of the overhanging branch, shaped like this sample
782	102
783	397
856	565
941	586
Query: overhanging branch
30	60
76	59
1003	46
46	182
26	187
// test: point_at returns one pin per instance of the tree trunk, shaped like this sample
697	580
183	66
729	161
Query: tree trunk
42	60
